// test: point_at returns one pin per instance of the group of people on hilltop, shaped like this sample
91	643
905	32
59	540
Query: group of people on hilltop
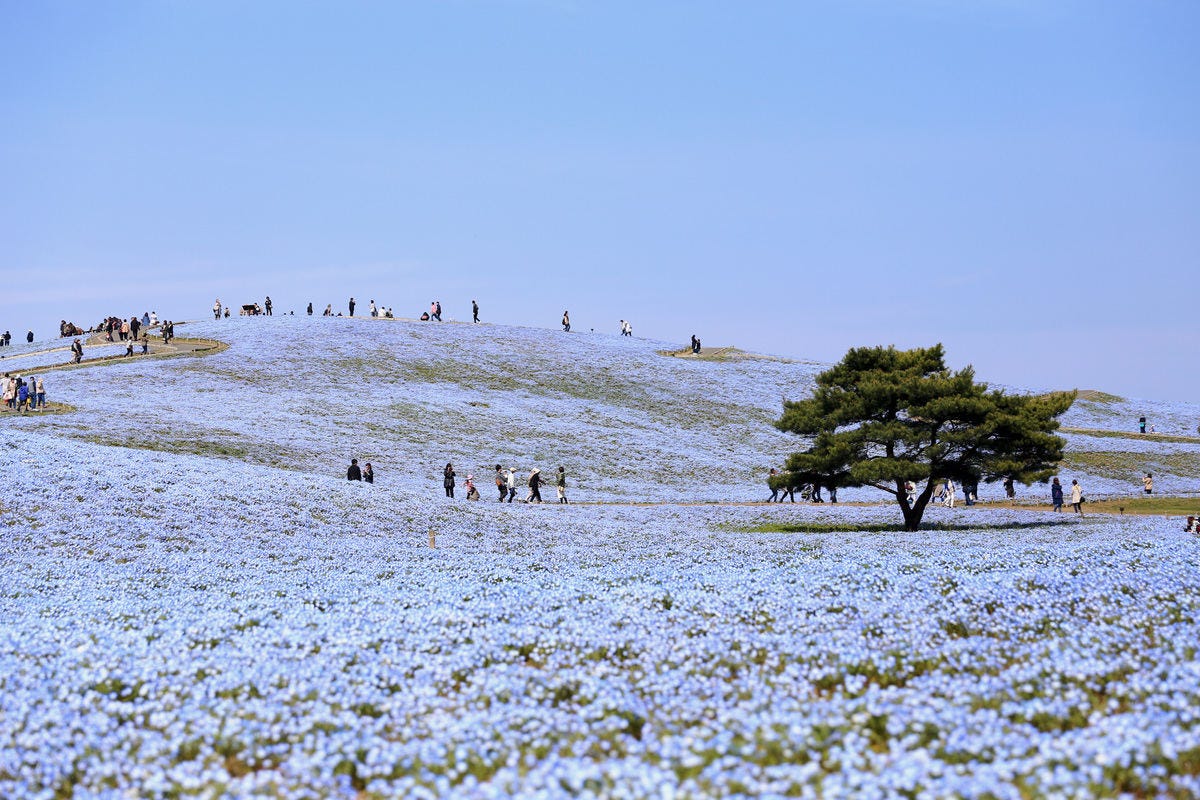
21	395
433	314
6	339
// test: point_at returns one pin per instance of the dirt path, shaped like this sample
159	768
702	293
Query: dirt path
178	346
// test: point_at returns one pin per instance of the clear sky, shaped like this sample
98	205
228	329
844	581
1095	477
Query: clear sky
1019	180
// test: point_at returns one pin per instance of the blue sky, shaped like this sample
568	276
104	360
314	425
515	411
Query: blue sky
1017	180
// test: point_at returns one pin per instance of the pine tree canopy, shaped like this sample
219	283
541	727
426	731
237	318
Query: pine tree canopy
884	416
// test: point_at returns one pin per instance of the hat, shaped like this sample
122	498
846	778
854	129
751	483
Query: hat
535	469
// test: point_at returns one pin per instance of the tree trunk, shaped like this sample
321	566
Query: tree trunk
913	514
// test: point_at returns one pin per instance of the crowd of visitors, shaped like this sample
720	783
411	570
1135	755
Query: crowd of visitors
23	395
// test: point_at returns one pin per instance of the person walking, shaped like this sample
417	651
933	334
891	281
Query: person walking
40	393
368	473
217	309
560	482
474	311
1077	497
500	484
949	493
771	485
354	472
510	478
448	480
788	491
535	482
22	395
1148	483
566	322
352	306
1056	495
77	349
310	309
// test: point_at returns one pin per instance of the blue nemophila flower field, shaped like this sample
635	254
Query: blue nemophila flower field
194	602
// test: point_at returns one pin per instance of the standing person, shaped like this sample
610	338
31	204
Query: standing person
510	478
438	304
1148	483
1009	488
1056	495
949	493
374	310
910	492
77	349
328	310
352	306
970	491
1141	424
310	309
353	473
500	485
1077	497
267	305
789	491
832	493
29	337
566	322
560	483
448	480
135	325
217	309
368	474
40	392
535	482
771	485
474	311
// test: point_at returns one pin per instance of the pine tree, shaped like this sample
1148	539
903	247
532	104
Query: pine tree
884	416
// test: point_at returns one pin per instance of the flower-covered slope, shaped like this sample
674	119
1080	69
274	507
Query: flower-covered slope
307	394
178	625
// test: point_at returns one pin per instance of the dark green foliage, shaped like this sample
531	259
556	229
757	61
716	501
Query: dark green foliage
885	416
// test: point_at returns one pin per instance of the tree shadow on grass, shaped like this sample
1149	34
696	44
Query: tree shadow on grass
879	527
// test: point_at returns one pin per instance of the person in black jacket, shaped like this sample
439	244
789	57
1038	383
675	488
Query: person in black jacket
368	474
535	481
354	473
448	480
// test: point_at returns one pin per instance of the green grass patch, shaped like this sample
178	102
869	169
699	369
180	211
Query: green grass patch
1131	466
1166	506
1096	396
1150	437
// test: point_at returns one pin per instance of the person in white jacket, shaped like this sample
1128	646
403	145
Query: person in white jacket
511	478
1077	497
949	494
